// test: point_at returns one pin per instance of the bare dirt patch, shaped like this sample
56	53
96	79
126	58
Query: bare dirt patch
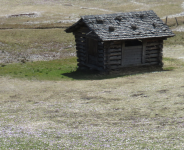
7	57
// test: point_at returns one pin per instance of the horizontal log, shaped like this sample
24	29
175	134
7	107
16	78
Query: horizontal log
151	59
115	50
78	41
152	48
81	51
154	43
151	55
81	44
114	57
114	62
114	54
80	47
81	55
151	63
152	52
115	47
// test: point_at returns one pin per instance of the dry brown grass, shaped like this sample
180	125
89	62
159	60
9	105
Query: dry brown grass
64	12
140	111
143	111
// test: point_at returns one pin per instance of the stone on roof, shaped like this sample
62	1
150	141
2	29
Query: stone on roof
124	26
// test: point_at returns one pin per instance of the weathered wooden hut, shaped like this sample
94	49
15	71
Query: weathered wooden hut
113	41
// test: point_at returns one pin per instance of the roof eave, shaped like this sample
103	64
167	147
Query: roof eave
136	38
73	27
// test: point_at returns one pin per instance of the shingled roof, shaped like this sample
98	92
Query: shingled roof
123	26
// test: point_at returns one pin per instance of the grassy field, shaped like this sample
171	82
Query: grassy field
60	13
46	104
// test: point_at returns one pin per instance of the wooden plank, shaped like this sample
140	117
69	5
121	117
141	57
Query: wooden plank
133	51
107	48
133	47
122	53
144	51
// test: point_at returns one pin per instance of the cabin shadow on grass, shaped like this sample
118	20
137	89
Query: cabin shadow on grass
96	75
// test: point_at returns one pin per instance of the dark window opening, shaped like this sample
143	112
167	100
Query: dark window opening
133	43
92	47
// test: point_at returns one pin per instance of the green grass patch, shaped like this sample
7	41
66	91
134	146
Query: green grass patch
172	63
176	40
22	143
40	70
66	69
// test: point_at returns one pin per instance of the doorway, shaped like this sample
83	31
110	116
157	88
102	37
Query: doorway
132	52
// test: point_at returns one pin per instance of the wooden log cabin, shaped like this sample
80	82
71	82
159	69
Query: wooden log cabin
113	41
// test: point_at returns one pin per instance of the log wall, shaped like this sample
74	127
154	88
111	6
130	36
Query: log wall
81	50
81	40
153	52
116	55
112	54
